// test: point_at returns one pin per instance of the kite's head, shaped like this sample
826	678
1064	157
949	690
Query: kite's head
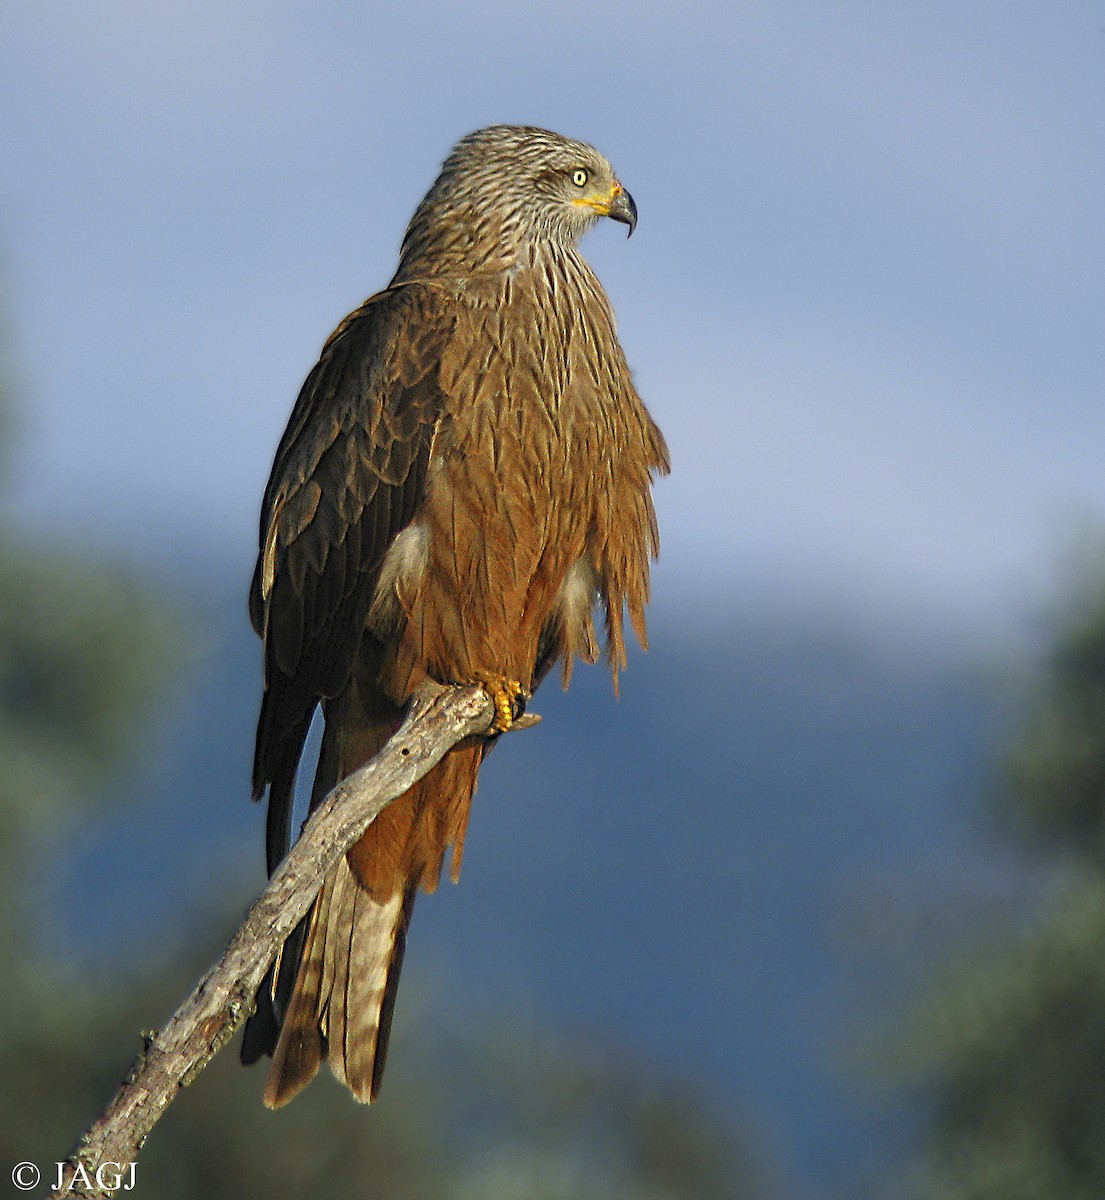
508	184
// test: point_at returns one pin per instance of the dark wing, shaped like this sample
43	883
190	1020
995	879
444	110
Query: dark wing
348	476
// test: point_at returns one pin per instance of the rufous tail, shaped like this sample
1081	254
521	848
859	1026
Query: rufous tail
344	993
335	988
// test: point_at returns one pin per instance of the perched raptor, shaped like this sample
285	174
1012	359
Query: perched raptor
465	475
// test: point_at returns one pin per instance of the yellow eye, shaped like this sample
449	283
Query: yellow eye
579	177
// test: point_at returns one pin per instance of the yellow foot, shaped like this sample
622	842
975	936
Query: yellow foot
509	698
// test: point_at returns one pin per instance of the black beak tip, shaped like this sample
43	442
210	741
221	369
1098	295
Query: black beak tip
625	210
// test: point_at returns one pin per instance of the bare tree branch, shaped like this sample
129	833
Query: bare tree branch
438	719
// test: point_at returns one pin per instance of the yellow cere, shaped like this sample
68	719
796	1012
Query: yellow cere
601	204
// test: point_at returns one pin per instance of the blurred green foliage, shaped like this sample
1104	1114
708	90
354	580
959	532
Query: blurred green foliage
1055	787
86	657
1010	1043
82	653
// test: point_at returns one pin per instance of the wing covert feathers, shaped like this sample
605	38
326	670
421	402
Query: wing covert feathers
348	476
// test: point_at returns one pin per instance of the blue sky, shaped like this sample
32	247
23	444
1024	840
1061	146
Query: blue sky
865	299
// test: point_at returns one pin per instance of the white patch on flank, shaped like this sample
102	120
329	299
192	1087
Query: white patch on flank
578	591
577	597
401	575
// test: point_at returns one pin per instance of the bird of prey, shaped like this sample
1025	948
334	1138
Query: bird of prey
465	477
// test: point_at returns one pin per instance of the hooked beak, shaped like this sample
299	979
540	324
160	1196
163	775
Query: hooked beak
622	208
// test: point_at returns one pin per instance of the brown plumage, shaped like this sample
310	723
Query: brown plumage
465	473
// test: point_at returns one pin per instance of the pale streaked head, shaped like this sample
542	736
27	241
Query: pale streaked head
507	184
